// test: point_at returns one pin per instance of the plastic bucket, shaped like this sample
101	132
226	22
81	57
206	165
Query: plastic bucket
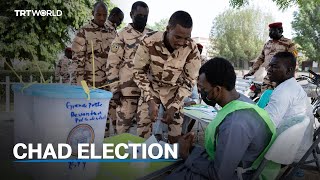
60	113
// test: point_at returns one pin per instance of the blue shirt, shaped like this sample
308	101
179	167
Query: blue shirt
265	98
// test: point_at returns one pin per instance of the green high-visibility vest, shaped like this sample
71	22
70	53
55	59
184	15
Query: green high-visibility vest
211	135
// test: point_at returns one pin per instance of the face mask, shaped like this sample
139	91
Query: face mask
140	22
210	102
275	35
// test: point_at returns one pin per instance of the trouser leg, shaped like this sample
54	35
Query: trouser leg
144	122
112	117
125	113
175	128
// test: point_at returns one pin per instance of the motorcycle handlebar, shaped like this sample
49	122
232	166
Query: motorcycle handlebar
316	78
313	73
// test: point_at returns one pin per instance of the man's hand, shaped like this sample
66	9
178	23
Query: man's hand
190	103
185	144
169	115
117	97
153	110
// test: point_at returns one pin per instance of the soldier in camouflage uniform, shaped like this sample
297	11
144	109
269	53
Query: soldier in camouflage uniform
166	68
278	43
98	35
120	66
65	68
114	20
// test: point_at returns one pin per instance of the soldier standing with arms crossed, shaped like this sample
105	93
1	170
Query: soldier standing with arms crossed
97	36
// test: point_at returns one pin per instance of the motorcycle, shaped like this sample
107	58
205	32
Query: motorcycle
312	90
249	87
255	91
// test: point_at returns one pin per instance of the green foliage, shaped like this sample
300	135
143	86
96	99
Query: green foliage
239	35
36	37
282	4
32	66
238	3
306	24
160	25
122	25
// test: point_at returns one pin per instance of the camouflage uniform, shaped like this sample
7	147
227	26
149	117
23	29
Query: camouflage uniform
112	26
64	69
203	60
120	68
167	78
269	50
101	38
112	104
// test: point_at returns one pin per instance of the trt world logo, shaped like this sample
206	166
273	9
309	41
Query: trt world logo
38	12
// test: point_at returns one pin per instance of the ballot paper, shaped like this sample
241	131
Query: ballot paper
151	140
201	107
210	115
200	111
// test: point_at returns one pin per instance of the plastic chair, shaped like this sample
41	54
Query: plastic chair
314	150
286	145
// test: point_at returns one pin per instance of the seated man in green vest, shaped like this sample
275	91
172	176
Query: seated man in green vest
237	137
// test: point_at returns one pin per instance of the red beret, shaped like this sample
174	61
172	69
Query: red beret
275	25
199	46
68	49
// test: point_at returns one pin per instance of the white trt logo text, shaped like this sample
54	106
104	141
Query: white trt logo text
38	12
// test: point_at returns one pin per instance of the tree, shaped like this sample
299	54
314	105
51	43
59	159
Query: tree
283	4
306	24
40	37
160	25
239	35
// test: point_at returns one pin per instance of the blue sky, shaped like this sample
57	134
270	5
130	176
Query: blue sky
203	12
